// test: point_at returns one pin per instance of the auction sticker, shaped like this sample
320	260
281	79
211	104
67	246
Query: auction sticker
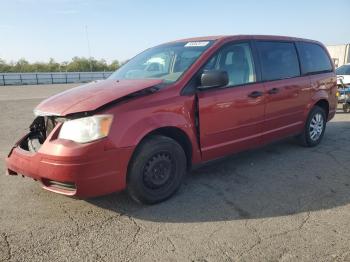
197	44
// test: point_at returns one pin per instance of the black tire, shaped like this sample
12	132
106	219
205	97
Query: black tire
314	129
346	107
156	170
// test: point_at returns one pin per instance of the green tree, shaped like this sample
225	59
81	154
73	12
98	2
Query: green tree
77	64
40	67
53	66
114	65
22	66
4	67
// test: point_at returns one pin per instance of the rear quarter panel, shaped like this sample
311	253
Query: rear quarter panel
324	86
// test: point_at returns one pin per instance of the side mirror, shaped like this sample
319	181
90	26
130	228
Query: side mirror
213	78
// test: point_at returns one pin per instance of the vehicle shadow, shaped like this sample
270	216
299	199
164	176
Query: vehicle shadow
276	180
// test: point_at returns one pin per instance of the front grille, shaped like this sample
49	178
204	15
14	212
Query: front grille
40	129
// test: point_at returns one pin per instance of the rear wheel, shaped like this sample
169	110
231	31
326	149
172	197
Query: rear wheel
315	127
156	170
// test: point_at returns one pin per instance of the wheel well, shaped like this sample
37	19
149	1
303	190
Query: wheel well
323	103
179	136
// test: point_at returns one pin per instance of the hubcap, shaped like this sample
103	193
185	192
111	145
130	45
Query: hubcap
316	126
158	171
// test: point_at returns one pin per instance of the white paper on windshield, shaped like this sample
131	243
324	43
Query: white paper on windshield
197	44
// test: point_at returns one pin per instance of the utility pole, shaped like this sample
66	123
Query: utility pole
88	46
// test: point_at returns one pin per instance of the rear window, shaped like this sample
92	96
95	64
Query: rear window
313	58
279	60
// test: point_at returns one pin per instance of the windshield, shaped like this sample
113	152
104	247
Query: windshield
343	70
167	62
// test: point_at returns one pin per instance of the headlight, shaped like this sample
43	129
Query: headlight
86	129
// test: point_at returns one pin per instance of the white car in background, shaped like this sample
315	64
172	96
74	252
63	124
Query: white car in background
343	73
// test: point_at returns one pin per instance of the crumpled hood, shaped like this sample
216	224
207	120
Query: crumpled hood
92	96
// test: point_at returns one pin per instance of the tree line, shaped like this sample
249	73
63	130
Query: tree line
77	64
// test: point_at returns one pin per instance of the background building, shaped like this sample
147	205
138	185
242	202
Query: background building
340	54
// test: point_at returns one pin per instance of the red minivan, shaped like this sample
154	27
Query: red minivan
173	106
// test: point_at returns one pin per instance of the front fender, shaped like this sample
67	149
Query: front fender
137	118
138	130
133	134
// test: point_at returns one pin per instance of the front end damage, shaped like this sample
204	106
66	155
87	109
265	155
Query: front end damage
30	144
67	167
84	169
39	130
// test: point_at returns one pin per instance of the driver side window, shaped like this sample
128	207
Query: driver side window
237	61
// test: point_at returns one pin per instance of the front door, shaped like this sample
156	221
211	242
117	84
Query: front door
231	118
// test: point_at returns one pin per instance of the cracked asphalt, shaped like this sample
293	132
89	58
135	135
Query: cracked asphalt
281	202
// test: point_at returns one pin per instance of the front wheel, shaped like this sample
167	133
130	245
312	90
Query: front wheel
315	127
156	170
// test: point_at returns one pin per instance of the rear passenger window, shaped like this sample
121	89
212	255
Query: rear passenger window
313	58
279	60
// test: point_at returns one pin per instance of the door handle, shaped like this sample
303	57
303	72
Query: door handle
273	91
255	94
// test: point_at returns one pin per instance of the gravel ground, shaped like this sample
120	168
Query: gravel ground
282	202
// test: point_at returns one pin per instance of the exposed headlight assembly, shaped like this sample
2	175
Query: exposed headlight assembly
86	129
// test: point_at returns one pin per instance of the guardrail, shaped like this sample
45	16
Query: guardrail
50	78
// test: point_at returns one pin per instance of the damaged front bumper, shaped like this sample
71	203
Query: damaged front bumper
70	168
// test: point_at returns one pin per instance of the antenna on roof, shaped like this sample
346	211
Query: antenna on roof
88	46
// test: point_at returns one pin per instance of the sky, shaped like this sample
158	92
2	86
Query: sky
41	29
